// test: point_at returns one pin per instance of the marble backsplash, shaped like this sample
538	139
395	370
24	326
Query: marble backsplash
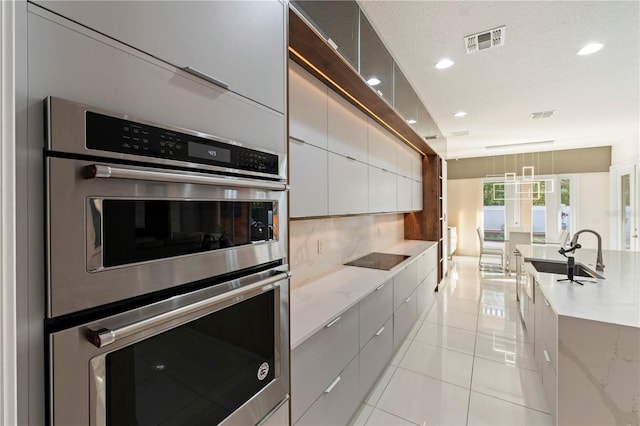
341	239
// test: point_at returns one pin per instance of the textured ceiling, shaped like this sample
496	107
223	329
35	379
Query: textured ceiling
596	97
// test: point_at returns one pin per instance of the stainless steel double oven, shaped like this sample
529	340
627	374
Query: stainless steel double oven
167	282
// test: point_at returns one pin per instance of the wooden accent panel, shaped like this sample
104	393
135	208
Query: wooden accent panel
311	51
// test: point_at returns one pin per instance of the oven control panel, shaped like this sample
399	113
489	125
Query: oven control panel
113	134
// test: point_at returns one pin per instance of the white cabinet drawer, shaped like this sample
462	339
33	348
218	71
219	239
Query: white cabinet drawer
375	310
404	283
550	385
375	355
338	401
228	40
425	294
347	129
403	319
307	107
320	359
309	181
550	331
74	63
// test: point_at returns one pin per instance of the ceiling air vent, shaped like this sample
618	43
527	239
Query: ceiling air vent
461	133
541	114
485	40
431	138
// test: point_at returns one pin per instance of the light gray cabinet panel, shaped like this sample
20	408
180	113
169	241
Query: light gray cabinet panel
338	402
382	191
347	129
240	43
307	107
416	195
550	385
375	310
375	355
403	319
72	62
348	185
549	331
404	283
538	342
319	360
404	193
382	148
309	181
425	294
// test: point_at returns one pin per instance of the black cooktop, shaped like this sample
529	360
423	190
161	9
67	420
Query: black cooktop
374	260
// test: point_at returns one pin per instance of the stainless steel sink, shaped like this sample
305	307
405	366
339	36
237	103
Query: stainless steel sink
579	270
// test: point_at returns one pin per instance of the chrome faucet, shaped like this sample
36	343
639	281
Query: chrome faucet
574	241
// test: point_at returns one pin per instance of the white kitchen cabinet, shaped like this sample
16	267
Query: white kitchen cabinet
375	356
307	107
404	160
404	193
317	362
404	283
416	195
78	64
375	310
425	293
403	319
308	168
348	185
382	191
347	128
416	166
338	401
241	44
382	147
280	417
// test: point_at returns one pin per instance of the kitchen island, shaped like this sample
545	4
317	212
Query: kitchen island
587	337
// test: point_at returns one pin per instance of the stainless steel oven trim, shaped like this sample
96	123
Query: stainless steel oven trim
85	353
68	215
68	135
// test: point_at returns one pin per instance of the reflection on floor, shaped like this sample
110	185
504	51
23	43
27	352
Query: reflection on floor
467	361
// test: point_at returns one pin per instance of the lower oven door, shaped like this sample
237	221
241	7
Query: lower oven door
214	356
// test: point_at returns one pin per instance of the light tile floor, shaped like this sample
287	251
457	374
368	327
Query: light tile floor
467	361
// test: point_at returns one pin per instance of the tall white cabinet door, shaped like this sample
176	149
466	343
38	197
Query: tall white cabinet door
404	194
404	161
382	190
307	107
238	43
416	166
347	129
382	148
416	195
309	184
348	185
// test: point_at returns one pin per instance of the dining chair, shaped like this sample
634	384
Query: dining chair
489	251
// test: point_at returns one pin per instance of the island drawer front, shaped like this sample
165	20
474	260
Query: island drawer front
550	385
337	406
375	310
374	356
404	282
319	360
550	331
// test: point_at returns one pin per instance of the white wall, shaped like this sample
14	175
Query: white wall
593	208
464	205
624	152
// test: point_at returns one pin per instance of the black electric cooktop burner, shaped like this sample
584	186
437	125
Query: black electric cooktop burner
384	261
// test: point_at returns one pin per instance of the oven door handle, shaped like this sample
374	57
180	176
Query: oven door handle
101	171
103	336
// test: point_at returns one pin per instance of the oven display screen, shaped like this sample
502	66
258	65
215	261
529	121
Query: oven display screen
208	152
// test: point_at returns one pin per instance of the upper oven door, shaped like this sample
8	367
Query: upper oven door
116	231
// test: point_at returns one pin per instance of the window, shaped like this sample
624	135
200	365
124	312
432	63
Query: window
494	211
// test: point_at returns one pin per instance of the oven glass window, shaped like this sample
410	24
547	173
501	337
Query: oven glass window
137	231
196	374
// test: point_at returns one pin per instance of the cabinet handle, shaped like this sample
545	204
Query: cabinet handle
333	322
546	356
407	299
380	287
332	385
206	77
546	302
350	158
293	138
379	332
385	170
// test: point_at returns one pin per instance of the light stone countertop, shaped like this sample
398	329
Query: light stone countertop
614	299
316	303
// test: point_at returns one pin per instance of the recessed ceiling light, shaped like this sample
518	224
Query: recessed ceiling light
590	48
460	114
411	121
373	81
444	63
